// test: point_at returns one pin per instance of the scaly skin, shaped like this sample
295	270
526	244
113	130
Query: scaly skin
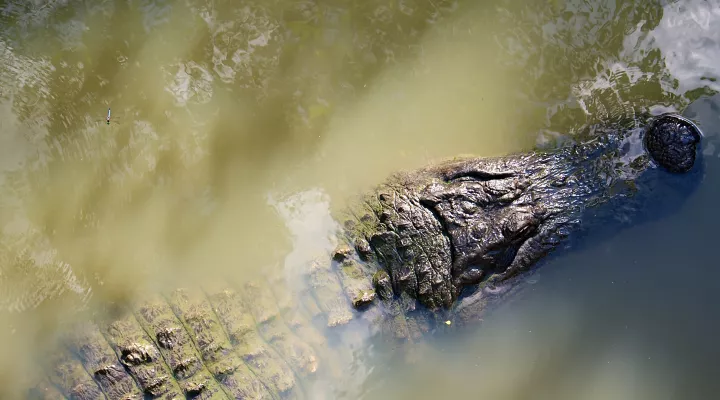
441	244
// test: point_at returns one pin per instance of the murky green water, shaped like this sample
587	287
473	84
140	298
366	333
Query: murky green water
236	125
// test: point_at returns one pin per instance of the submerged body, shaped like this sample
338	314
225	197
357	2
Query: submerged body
428	248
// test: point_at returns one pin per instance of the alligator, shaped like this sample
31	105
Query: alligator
427	250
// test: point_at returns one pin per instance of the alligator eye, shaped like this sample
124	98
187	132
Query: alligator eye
671	141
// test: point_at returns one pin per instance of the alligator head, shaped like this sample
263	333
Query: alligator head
478	222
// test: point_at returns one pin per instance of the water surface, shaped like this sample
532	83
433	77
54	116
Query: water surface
237	126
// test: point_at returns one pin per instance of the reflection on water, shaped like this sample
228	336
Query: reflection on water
219	106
